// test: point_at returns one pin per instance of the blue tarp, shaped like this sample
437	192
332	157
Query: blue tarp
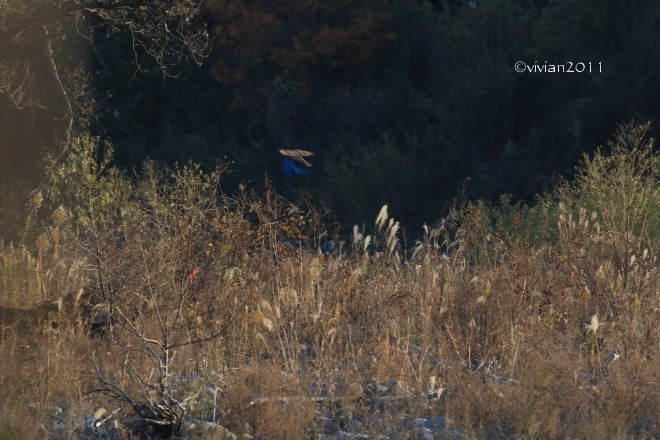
290	169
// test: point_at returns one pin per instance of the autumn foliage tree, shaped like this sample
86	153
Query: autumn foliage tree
313	43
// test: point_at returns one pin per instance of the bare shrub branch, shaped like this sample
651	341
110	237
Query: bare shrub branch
17	83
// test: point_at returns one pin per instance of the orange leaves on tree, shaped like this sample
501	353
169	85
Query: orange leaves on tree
311	41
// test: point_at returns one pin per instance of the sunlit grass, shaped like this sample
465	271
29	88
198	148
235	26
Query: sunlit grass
505	309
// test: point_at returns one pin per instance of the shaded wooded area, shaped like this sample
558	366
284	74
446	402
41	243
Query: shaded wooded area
400	101
154	300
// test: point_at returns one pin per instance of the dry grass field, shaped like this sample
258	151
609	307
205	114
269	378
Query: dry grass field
141	307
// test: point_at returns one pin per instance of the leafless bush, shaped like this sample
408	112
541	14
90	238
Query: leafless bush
17	83
226	306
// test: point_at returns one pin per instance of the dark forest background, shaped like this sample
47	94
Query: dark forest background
404	102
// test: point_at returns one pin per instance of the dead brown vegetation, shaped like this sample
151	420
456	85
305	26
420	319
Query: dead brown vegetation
226	306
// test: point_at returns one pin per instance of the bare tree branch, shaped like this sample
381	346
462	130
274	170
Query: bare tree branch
17	82
165	35
68	110
165	29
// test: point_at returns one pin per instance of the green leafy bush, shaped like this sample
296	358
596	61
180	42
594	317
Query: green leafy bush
614	200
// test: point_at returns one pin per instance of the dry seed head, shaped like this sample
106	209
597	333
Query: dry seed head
36	200
357	236
392	240
79	295
59	215
258	317
367	242
418	247
230	273
316	267
265	305
332	333
382	217
268	324
593	326
42	242
619	282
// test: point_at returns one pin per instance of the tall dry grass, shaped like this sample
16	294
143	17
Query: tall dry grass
188	288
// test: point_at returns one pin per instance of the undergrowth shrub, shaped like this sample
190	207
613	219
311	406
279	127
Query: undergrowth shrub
234	306
167	256
619	191
12	205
